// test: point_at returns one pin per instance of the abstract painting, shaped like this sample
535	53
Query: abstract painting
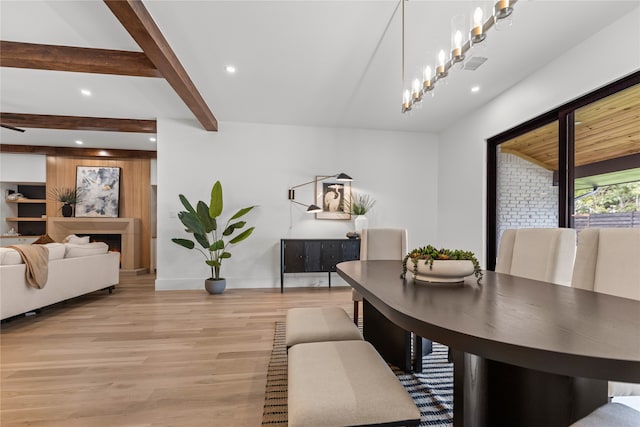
100	191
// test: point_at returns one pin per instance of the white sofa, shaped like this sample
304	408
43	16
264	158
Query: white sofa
74	270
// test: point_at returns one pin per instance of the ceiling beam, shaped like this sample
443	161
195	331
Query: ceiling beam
44	121
78	152
138	22
76	59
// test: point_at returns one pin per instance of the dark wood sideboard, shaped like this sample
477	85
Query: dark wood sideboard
315	255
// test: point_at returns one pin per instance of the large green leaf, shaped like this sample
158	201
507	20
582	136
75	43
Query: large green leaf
216	246
241	212
186	203
232	227
191	222
215	207
225	255
240	237
208	223
184	242
202	239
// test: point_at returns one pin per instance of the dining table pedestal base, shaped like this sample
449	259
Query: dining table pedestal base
489	393
397	346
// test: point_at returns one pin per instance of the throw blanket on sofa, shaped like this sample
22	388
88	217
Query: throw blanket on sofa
36	258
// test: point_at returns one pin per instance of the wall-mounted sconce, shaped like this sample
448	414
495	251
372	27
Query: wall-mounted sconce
314	208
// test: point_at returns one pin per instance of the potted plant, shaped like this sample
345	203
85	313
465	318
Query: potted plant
441	265
203	222
68	197
359	205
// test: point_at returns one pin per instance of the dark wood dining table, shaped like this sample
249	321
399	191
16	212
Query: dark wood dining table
525	352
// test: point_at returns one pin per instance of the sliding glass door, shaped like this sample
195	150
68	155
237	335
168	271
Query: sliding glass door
607	163
575	166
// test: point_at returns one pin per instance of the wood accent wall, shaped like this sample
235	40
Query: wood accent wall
134	190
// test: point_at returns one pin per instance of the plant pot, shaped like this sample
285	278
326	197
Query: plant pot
215	287
360	222
442	271
67	210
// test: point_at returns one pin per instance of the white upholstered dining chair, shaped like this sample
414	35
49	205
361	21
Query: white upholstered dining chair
545	254
608	261
380	244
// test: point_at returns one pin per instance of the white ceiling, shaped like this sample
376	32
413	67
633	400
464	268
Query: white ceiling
311	63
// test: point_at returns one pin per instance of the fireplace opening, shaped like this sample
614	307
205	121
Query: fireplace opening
114	241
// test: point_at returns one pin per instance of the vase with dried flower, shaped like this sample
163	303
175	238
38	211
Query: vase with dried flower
68	197
358	206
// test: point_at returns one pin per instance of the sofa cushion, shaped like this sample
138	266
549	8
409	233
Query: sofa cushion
56	250
75	251
76	240
9	256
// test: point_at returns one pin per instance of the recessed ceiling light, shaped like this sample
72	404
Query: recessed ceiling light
152	139
85	92
79	142
230	69
475	89
102	153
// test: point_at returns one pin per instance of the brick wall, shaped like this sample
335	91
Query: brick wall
526	196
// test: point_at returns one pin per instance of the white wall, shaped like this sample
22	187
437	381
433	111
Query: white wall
23	168
257	163
605	57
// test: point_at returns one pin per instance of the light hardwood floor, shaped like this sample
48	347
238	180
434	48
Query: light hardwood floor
143	358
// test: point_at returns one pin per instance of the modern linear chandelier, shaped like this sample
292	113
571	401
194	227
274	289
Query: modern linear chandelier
462	40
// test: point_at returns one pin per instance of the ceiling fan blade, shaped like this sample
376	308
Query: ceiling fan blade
12	128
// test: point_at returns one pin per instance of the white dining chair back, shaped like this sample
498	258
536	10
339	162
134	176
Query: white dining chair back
545	254
380	244
608	261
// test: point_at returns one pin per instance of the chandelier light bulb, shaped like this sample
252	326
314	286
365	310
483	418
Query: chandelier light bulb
440	69
406	101
426	78
416	93
477	33
415	87
477	17
456	53
457	38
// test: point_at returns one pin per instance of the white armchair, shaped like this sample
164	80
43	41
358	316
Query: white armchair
380	244
545	254
608	261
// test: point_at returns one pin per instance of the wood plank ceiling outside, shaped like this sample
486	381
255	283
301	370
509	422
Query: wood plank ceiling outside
606	129
138	22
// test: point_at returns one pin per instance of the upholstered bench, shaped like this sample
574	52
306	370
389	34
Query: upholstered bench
611	415
345	383
313	324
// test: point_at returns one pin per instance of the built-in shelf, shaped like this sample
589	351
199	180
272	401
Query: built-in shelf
27	201
27	214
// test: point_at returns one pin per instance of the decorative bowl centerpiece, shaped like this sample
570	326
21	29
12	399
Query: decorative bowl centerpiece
428	264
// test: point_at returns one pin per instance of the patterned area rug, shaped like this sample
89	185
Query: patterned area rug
432	390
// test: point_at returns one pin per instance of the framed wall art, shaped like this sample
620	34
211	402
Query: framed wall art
332	196
100	191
